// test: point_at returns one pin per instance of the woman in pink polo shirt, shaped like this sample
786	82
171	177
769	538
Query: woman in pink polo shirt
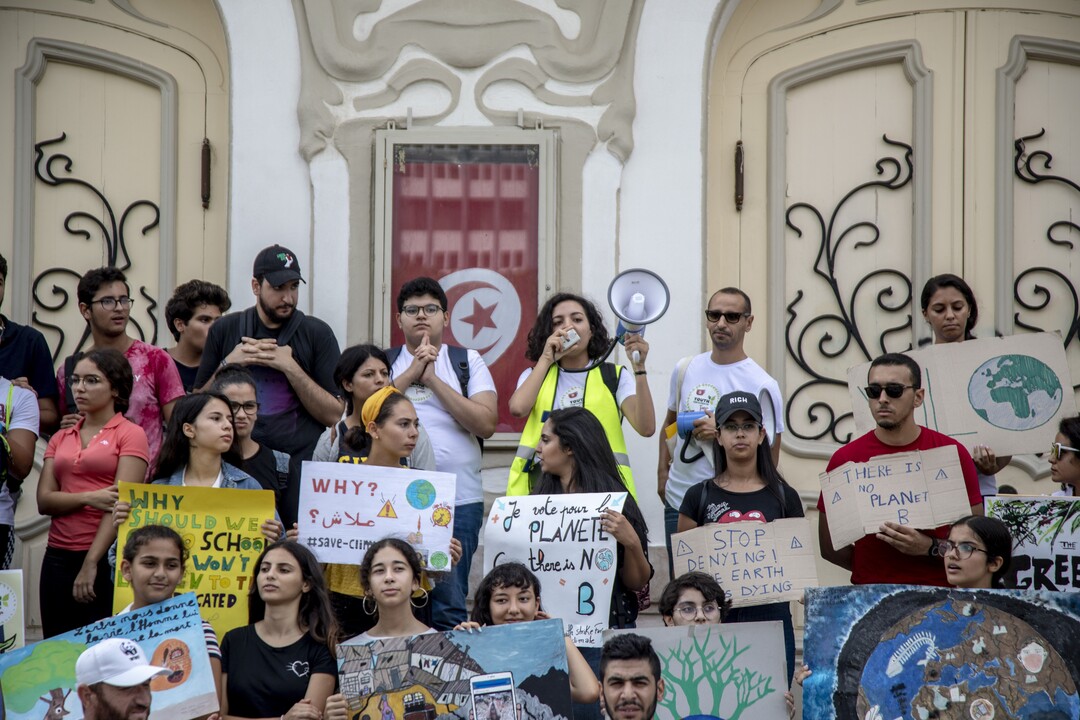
78	488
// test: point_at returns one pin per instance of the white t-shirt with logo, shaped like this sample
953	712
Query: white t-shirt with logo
570	388
456	449
703	385
25	415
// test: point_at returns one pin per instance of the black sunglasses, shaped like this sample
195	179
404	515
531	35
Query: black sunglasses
731	317
893	390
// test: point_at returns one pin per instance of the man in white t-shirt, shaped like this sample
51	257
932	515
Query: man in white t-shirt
424	370
706	378
19	417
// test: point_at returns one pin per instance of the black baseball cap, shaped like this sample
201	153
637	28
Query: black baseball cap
278	265
733	403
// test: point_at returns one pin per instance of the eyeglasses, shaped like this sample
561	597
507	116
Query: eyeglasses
689	611
731	317
110	303
747	427
963	549
430	309
1057	448
249	408
88	381
893	390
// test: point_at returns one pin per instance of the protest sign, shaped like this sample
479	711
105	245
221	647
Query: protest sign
12	622
559	538
39	680
923	489
220	528
899	651
1001	392
346	508
719	671
1046	536
754	562
504	671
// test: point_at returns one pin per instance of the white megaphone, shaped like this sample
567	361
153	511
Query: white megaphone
638	297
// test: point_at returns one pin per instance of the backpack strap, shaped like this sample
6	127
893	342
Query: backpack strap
459	358
281	465
392	354
610	374
69	394
701	504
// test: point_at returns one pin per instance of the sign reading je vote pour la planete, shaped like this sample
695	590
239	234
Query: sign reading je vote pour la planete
923	489
560	539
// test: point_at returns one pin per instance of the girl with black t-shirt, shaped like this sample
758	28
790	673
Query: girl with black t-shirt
747	487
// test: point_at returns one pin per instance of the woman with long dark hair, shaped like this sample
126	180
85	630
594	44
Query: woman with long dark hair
575	458
282	664
978	552
78	488
747	486
949	306
560	379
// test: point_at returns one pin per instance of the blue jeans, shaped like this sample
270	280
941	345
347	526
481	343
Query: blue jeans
448	597
770	611
671	526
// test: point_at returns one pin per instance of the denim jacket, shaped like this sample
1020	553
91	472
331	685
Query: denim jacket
232	477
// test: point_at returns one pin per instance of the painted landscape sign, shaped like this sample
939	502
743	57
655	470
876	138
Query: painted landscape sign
1046	533
897	651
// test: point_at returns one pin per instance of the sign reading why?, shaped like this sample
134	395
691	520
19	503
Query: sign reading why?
560	538
923	489
755	562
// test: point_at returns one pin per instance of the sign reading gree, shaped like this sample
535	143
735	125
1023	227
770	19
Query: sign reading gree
923	489
221	529
559	537
1046	535
1000	392
754	562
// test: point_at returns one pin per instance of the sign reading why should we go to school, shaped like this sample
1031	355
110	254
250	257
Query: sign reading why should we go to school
755	562
1046	540
346	508
559	537
39	680
221	529
923	489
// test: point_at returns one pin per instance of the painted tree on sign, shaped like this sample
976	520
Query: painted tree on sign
42	678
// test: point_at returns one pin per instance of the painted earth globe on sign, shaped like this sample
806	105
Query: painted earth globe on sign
1015	392
420	494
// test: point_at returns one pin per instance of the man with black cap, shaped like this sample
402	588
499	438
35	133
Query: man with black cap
113	680
291	355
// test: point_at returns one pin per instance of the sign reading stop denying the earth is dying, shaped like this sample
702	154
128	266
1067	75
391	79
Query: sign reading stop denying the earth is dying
1008	393
346	508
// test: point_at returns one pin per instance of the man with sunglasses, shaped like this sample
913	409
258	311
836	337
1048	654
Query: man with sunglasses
897	553
105	303
292	358
456	401
697	384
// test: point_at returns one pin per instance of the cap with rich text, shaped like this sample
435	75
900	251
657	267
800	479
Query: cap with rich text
733	403
278	265
116	661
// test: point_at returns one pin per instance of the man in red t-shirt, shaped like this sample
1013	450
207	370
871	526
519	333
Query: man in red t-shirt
898	553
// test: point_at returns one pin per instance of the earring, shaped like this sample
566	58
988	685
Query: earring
373	610
425	596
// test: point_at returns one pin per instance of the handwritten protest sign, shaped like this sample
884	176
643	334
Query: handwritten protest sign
559	538
220	528
39	680
12	623
754	562
345	508
923	489
1001	392
1046	536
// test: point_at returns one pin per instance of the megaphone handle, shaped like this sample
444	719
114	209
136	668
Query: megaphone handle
636	357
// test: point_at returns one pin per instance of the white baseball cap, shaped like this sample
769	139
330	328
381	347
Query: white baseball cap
115	661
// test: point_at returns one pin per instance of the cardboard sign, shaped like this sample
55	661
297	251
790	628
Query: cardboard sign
754	562
503	671
220	528
924	489
898	651
39	680
720	671
12	620
346	508
1046	535
1006	393
559	538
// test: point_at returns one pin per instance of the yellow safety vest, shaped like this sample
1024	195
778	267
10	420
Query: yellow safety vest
598	400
